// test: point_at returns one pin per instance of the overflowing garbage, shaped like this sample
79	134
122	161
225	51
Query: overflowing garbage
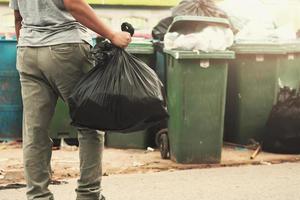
188	8
249	22
211	38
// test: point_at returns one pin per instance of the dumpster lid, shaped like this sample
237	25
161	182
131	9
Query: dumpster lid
191	24
181	54
140	47
255	47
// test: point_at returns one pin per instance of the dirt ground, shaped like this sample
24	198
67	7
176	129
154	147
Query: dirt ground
65	162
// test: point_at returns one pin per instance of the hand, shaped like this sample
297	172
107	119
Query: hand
121	39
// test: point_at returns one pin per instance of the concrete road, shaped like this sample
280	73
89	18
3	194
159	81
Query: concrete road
268	182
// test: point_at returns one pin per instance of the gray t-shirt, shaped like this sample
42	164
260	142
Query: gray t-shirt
46	22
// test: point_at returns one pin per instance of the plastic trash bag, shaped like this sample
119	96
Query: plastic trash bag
211	38
121	93
283	127
159	31
198	8
188	7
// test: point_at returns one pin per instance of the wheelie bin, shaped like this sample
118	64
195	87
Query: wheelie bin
196	92
10	93
255	77
60	125
140	139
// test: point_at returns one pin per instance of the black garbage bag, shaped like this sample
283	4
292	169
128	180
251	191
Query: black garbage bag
283	126
199	8
159	31
121	93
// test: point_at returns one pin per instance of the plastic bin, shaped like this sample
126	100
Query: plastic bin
196	90
140	139
60	125
255	77
10	93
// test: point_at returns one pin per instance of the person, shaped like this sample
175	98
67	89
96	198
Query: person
52	55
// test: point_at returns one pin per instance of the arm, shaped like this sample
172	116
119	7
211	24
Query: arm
18	21
84	14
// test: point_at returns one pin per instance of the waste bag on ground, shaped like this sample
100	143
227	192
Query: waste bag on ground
283	127
121	93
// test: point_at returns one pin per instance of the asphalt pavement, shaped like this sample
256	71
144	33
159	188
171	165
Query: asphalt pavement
266	182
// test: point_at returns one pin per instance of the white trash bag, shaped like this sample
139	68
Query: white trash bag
211	38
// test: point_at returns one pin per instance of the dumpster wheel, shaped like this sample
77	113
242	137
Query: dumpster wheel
164	146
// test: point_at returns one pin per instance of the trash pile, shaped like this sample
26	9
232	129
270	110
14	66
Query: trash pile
213	37
249	22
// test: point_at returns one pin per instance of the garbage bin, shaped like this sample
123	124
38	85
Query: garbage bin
253	83
140	139
10	93
60	125
196	90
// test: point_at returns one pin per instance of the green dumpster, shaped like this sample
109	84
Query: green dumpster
196	90
140	139
60	126
255	77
